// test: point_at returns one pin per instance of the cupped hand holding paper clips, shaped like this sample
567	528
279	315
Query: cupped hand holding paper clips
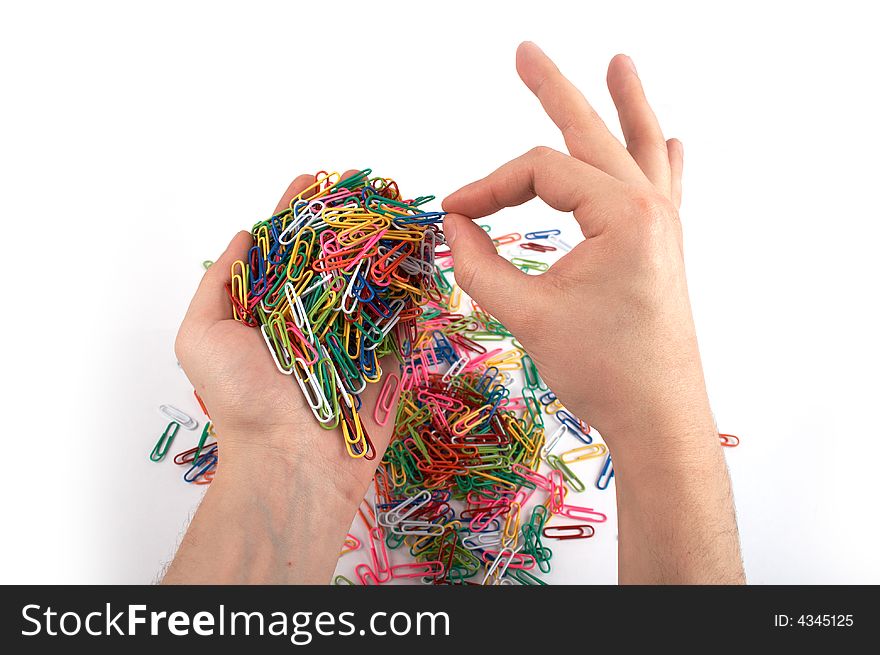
250	405
275	460
609	325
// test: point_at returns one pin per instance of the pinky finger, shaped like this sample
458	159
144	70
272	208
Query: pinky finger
676	164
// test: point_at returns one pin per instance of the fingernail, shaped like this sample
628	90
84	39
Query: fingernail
449	231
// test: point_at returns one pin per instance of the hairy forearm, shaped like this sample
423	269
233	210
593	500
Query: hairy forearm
264	519
677	523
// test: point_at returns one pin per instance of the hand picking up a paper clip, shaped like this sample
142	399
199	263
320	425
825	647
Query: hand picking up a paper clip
609	325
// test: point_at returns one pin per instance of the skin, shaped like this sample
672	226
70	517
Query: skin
630	366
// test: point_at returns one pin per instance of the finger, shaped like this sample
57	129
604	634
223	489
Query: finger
349	173
644	138
211	302
586	136
299	184
676	166
562	182
496	284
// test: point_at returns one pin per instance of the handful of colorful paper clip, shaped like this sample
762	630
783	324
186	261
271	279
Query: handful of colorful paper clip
334	282
348	275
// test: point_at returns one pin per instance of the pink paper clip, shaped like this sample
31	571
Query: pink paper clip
385	401
532	476
365	575
430	569
381	566
582	514
522	561
522	496
557	491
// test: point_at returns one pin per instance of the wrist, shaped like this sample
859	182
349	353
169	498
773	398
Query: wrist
267	469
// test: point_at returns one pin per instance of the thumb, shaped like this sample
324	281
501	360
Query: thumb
496	284
211	302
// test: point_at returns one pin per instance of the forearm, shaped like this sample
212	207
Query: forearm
266	519
676	518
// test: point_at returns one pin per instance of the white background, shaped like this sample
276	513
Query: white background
136	141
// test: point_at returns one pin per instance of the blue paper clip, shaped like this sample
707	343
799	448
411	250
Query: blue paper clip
487	379
542	234
605	476
207	461
257	271
568	420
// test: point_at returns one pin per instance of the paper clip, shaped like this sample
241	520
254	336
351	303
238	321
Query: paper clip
379	555
188	456
366	575
516	560
567	418
481	540
605	474
525	578
583	452
529	264
557	491
562	532
430	569
174	414
161	447
206	432
542	234
537	247
404	509
385	401
493	569
582	514
729	440
567	474
506	239
559	243
201	404
553	440
201	466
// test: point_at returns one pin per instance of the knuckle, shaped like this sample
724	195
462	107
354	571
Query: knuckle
652	219
541	152
649	210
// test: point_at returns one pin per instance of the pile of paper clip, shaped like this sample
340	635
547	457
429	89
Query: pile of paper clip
334	282
469	484
453	487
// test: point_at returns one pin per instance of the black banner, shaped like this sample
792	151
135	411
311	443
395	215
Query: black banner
429	619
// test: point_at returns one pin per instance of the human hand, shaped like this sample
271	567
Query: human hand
609	325
259	414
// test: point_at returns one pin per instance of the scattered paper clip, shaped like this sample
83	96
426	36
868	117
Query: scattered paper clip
174	414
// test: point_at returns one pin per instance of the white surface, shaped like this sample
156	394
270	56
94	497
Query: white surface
135	142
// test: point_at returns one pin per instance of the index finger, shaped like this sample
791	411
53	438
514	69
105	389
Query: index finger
564	183
586	135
